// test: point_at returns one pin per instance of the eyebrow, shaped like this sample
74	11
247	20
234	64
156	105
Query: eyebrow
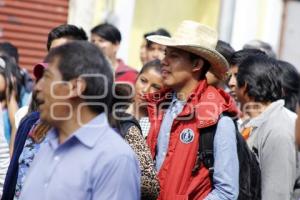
156	85
171	50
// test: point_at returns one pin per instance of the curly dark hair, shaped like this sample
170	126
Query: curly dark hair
261	75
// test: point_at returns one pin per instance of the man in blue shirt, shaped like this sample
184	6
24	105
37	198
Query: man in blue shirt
83	158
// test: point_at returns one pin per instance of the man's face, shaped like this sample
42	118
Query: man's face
143	52
155	51
177	68
212	79
232	82
297	129
108	48
52	94
242	97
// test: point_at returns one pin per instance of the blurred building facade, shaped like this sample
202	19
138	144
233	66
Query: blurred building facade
238	21
26	23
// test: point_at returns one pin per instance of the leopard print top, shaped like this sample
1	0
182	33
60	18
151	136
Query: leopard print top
149	180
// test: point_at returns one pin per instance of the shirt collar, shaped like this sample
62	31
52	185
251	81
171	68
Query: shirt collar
176	100
87	135
273	107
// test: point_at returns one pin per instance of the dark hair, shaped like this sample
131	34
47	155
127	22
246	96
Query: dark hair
154	64
261	75
260	45
108	32
225	49
12	75
83	59
290	83
299	95
9	49
66	31
239	56
160	31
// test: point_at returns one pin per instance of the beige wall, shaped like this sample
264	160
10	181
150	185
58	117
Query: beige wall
152	14
136	17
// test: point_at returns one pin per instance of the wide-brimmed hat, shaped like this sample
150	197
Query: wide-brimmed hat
38	70
198	39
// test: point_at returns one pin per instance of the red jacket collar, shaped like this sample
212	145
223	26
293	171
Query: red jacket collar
205	102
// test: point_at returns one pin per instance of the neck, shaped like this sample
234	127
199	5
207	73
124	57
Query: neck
137	111
254	109
68	127
184	92
3	104
114	63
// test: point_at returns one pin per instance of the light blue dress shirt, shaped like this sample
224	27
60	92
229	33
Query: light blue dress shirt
226	165
174	109
94	163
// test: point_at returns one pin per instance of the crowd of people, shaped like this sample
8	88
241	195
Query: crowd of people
199	120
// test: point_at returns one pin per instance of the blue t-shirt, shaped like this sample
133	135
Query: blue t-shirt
24	101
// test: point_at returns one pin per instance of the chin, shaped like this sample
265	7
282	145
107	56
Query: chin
44	117
168	83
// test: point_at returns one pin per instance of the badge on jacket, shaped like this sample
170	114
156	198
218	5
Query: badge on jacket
187	136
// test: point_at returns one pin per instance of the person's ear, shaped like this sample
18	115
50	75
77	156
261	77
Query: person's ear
244	92
245	89
197	65
116	47
78	87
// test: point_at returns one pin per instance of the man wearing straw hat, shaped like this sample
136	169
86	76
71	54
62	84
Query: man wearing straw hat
191	106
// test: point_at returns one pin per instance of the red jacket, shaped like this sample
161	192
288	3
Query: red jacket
203	108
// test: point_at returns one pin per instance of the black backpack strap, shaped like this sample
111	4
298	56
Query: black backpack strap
126	123
205	153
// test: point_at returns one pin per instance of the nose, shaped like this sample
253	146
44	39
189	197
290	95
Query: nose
101	45
164	61
156	54
232	81
37	86
146	89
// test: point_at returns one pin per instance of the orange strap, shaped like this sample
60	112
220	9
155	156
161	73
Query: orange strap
246	132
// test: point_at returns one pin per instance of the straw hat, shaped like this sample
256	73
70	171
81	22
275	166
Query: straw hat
198	39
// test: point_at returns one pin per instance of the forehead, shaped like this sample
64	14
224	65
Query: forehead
98	37
59	41
53	65
176	50
150	72
155	45
233	69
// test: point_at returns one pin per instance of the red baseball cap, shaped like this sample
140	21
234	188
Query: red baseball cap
38	70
